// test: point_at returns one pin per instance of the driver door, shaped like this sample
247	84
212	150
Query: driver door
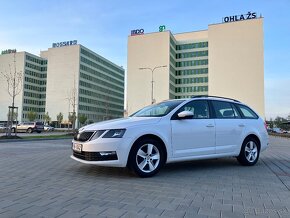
193	136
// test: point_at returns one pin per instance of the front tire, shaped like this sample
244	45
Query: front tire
29	130
250	152
146	157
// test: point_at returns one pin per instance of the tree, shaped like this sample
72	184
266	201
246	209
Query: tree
82	119
14	87
46	118
59	118
72	118
278	122
31	115
13	117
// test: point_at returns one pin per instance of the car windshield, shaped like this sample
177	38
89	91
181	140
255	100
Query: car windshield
158	110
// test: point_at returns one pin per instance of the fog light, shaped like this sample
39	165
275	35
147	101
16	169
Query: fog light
107	153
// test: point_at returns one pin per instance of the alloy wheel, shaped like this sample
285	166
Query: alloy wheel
148	158
251	151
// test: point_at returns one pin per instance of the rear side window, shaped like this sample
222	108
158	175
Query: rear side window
247	112
39	123
225	110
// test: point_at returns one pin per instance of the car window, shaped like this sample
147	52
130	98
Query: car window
157	110
247	112
225	110
198	108
39	123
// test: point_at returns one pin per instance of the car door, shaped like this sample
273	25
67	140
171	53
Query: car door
193	136
229	127
20	127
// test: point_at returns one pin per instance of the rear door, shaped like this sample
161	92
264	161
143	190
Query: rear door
229	126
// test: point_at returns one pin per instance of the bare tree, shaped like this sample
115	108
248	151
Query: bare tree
72	95
14	82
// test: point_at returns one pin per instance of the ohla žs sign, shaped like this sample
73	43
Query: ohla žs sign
249	15
137	32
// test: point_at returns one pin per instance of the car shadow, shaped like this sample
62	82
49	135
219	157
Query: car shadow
188	168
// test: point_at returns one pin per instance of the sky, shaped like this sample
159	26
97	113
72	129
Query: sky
104	26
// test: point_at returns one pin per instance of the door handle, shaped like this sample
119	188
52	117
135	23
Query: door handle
241	125
209	125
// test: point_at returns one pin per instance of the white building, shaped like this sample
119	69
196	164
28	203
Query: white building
225	60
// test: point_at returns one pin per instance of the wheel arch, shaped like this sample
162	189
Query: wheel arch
151	136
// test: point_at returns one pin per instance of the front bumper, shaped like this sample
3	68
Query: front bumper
104	152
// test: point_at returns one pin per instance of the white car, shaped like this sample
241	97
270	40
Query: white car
202	127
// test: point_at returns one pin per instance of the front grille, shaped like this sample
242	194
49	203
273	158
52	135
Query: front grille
94	156
83	136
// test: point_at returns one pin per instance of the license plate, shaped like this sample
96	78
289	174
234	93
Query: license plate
77	147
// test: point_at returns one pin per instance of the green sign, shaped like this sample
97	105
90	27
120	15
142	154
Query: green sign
162	28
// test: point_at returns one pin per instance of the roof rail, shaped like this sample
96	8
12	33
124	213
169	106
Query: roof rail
213	96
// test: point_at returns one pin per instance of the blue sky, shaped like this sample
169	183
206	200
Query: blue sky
104	26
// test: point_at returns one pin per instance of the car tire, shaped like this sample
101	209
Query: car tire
29	130
146	158
250	152
38	131
13	130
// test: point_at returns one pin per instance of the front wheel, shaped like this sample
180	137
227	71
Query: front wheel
29	130
249	153
146	157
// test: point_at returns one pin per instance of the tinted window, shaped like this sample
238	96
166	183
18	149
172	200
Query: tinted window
198	108
247	112
225	110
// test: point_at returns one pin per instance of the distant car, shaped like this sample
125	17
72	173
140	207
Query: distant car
28	127
277	130
48	128
2	126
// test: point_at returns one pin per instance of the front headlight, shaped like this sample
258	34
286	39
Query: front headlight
115	133
97	134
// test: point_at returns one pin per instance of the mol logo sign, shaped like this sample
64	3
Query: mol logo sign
249	15
137	32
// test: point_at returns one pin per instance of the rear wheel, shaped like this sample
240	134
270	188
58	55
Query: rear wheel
13	130
250	152
146	157
29	130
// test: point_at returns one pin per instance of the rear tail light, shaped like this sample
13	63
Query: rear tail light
265	124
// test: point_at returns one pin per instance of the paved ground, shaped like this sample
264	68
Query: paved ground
38	179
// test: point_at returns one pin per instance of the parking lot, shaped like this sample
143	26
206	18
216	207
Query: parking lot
38	179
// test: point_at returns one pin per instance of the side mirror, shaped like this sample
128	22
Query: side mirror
185	115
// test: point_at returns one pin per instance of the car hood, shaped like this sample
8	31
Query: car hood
121	123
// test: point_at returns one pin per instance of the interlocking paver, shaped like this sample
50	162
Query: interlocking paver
45	182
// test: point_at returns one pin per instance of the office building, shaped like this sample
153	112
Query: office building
226	60
65	76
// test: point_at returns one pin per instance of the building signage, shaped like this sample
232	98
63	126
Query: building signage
162	28
8	51
137	32
67	43
249	15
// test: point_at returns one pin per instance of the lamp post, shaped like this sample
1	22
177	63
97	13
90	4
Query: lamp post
152	79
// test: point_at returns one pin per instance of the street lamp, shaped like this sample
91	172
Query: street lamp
152	81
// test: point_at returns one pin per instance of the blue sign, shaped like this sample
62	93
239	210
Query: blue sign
137	32
61	44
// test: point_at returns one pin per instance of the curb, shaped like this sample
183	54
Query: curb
27	140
